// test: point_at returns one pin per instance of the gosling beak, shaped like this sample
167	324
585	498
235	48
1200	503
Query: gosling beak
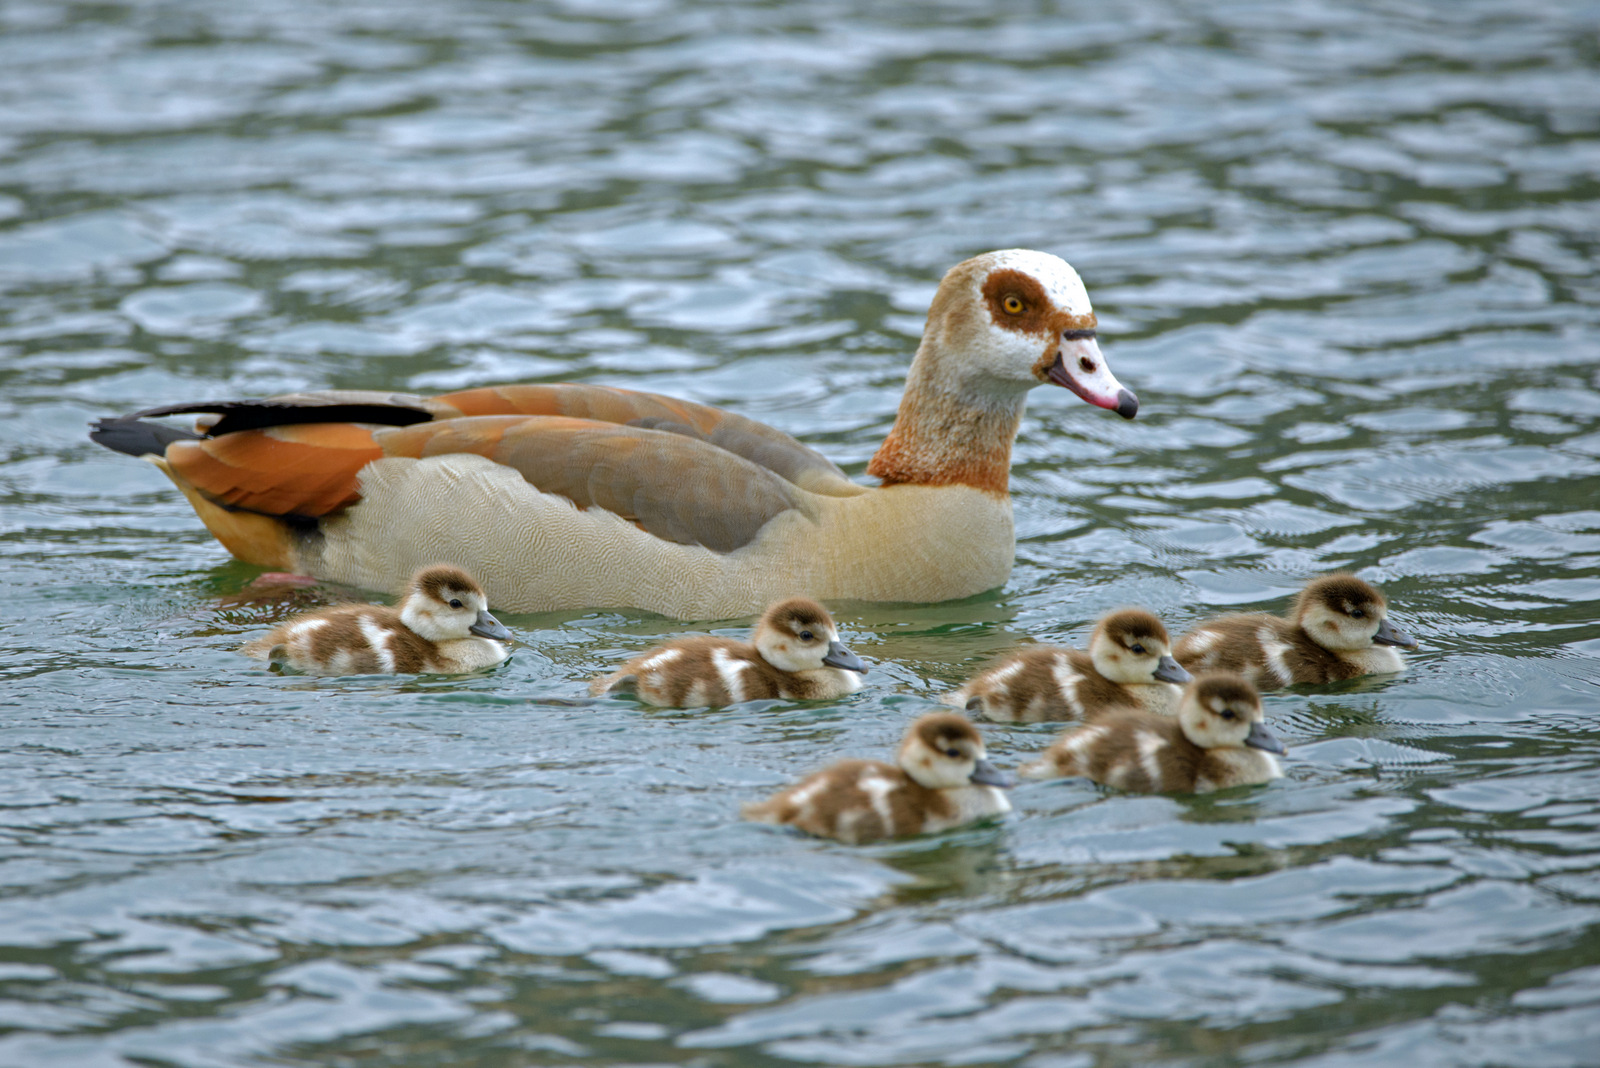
1388	635
1262	738
490	627
1169	670
987	774
1080	367
840	657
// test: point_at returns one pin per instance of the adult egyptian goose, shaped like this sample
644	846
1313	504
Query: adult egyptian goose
941	778
1217	740
1128	665
1338	628
566	496
794	654
441	627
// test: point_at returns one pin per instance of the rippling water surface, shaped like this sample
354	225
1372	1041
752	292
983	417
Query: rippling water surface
1345	253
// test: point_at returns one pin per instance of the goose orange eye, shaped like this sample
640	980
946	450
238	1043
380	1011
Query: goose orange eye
1012	305
455	602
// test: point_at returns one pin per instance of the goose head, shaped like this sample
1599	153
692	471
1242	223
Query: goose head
1011	320
1131	646
1220	710
943	750
444	603
800	635
1342	613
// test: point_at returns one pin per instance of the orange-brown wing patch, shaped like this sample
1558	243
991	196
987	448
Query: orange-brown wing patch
679	488
308	469
760	444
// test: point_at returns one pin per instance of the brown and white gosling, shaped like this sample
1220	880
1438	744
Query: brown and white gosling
1218	740
941	778
1128	665
442	626
1338	628
794	654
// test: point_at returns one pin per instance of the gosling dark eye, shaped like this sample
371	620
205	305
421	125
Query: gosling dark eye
455	602
807	636
1137	650
1357	613
1228	713
953	754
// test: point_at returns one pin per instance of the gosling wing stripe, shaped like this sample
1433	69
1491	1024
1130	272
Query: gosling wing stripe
877	789
306	626
1067	680
661	659
1000	676
731	670
1150	747
1276	652
378	637
1080	742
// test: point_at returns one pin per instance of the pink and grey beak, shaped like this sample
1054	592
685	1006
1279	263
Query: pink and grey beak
1080	367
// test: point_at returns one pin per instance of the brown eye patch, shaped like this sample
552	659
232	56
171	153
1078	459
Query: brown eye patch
1018	302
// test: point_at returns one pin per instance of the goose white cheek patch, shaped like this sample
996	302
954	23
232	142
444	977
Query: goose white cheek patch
1080	368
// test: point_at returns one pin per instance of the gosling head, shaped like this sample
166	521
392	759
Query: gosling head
1342	613
1220	710
1131	646
443	603
1016	319
800	635
944	750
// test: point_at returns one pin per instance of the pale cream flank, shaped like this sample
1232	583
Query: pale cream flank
894	543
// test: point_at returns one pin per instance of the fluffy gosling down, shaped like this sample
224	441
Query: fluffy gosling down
794	654
1338	628
1218	740
441	627
941	779
1128	664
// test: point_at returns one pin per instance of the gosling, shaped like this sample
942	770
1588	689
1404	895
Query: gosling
441	627
1217	741
1128	665
794	654
1338	628
941	779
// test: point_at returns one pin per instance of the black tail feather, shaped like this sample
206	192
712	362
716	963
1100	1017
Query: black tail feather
130	435
259	414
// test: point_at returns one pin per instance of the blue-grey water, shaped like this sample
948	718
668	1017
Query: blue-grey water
1345	253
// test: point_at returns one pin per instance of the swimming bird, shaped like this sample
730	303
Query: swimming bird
441	627
568	496
1338	628
794	654
1127	665
941	778
1217	740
